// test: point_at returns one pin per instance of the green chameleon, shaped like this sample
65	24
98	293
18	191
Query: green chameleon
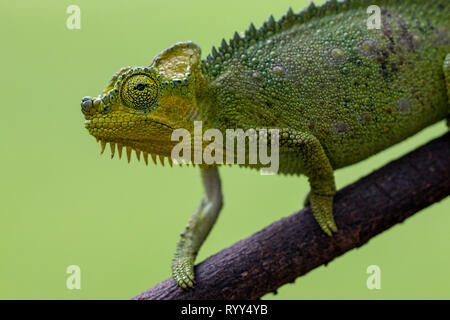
338	90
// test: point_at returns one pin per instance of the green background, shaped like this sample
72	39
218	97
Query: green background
62	203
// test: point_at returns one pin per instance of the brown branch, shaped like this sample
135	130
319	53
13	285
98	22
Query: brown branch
295	245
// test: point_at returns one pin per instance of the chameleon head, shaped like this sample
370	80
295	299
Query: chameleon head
141	106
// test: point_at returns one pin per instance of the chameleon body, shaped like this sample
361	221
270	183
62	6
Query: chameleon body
338	92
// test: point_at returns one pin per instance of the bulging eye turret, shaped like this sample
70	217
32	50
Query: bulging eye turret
139	90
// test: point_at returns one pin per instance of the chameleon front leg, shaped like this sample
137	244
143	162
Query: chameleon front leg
318	169
197	229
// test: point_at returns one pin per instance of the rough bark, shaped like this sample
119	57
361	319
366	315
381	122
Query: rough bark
294	245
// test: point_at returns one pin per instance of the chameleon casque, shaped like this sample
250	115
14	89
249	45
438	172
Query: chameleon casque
337	91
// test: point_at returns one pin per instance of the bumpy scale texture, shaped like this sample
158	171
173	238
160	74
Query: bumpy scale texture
338	91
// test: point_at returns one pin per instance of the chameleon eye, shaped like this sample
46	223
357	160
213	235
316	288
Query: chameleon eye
139	92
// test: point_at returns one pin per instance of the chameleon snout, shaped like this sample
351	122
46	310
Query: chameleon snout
90	105
86	104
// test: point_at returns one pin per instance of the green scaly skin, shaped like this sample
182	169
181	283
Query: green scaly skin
337	91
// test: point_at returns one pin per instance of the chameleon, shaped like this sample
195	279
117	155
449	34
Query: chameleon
337	90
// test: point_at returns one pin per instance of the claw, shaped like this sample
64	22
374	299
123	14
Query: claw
322	207
332	225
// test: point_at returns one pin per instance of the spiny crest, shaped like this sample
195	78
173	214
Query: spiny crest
133	71
119	148
214	62
117	74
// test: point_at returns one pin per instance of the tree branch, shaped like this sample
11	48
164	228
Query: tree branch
295	245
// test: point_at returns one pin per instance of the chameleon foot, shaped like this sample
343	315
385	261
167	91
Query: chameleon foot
183	272
322	207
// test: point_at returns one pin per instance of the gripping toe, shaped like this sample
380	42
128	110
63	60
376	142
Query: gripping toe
322	207
183	272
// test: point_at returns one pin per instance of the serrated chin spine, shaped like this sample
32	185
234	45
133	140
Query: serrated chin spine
138	152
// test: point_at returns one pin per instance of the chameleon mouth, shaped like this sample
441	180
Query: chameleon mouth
105	123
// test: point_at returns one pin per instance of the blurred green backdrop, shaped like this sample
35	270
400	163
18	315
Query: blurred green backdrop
63	204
